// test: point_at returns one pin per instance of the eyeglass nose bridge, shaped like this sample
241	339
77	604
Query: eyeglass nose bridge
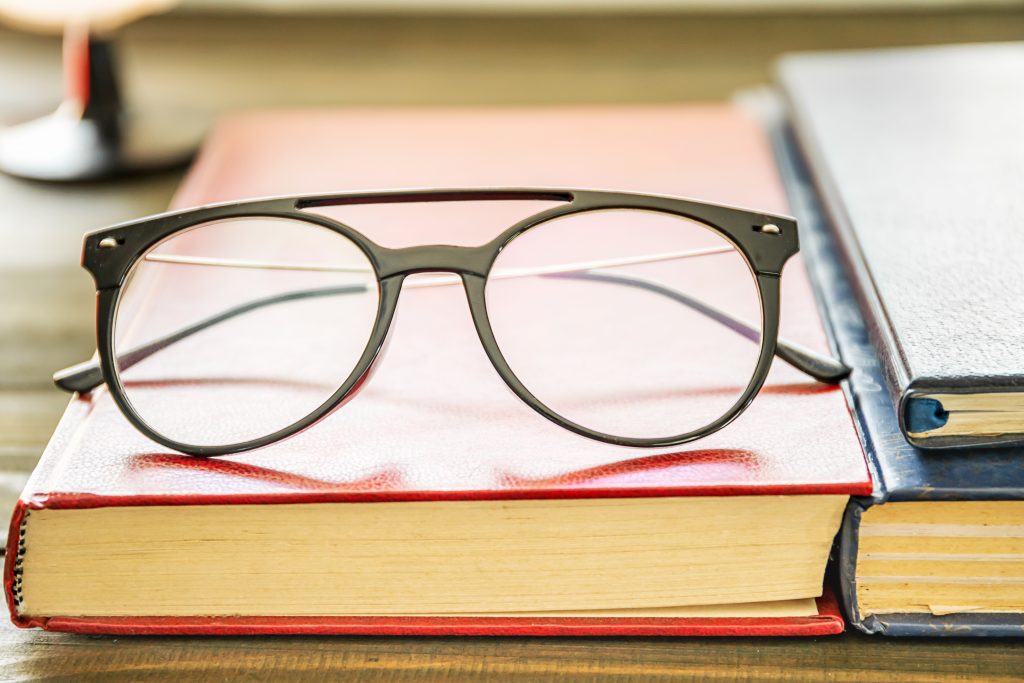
435	258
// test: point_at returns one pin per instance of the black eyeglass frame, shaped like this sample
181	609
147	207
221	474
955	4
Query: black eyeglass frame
766	242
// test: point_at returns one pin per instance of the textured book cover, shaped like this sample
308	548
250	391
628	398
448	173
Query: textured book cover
901	473
435	423
917	155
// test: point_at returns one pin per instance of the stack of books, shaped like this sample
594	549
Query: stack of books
436	503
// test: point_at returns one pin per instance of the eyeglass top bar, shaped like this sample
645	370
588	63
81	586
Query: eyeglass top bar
403	196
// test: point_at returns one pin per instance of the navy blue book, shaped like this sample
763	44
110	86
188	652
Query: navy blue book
938	547
918	156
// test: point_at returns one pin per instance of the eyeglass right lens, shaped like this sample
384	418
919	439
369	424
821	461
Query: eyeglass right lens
237	328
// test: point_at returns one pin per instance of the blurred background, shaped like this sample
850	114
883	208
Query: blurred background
207	58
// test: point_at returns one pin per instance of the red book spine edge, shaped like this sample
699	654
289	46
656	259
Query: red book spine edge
67	501
820	625
827	622
12	565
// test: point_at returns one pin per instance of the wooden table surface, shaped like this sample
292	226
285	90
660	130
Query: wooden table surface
216	64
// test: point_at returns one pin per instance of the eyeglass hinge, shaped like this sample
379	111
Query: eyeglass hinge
110	243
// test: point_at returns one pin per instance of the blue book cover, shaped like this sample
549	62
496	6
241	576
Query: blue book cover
915	154
900	472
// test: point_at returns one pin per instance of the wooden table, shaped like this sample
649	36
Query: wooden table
216	64
847	658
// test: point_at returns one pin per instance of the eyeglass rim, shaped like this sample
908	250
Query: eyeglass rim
765	254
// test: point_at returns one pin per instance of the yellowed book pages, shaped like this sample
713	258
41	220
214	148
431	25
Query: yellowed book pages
426	558
982	414
941	557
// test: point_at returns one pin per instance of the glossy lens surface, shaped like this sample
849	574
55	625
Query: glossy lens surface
631	323
235	329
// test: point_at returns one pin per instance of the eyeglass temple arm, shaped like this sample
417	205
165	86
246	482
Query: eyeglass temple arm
86	376
819	366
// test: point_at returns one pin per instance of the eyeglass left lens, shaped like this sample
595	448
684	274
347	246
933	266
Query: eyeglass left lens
631	323
238	328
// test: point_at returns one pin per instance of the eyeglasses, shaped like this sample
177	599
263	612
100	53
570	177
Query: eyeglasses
631	319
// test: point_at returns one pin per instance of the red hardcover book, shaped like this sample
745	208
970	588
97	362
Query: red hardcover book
435	425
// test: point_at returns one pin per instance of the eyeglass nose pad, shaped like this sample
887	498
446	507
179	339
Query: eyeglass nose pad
384	346
371	370
390	291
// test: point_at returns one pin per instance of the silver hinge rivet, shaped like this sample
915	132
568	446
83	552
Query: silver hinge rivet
770	229
108	243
